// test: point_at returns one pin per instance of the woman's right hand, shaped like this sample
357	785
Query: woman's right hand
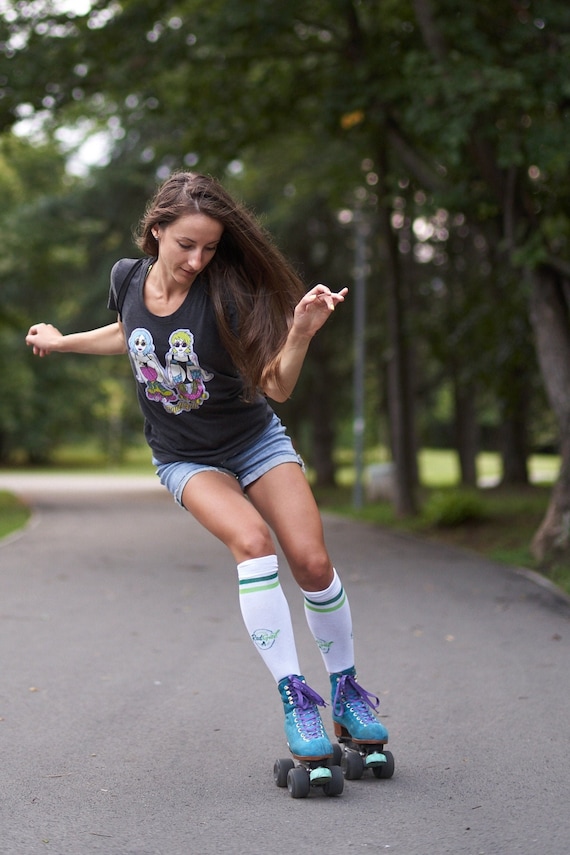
43	338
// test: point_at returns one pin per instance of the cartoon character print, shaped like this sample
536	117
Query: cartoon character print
180	385
185	373
148	369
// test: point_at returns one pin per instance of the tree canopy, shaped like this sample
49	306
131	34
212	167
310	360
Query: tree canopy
445	122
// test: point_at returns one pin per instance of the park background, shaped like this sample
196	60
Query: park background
414	150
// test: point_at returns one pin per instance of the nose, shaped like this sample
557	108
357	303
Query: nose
195	256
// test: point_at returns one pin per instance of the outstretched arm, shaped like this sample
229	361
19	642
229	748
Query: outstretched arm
103	341
311	313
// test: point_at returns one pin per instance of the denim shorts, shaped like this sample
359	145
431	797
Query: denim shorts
269	450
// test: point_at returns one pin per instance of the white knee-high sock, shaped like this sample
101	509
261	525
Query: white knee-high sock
266	614
330	622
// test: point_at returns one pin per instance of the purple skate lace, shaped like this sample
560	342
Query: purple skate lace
305	701
347	689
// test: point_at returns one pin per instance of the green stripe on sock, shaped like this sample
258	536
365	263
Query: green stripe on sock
255	590
258	583
325	602
322	607
256	579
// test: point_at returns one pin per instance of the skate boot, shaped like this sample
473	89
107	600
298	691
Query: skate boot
352	709
357	728
304	729
308	742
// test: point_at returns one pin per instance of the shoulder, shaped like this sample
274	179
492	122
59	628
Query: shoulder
122	274
125	266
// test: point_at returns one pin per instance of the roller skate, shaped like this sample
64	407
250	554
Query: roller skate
313	764
361	736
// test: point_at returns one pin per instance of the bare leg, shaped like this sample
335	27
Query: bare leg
285	501
218	503
281	500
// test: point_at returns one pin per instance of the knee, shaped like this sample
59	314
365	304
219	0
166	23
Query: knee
313	572
253	542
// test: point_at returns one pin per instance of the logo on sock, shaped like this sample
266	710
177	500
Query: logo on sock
324	646
264	638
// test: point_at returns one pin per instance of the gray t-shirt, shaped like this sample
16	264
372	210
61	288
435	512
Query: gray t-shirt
189	390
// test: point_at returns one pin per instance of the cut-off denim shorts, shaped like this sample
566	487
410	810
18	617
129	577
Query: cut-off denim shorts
272	448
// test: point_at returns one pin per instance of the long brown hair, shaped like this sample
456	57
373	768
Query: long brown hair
248	272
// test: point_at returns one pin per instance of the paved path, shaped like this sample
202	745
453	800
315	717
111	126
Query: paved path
136	718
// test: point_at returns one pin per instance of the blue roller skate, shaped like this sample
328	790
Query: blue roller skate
361	736
308	743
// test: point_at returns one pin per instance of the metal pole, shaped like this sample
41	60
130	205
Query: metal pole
360	232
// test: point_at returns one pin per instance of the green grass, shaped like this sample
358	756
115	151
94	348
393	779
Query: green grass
136	459
14	514
90	457
440	468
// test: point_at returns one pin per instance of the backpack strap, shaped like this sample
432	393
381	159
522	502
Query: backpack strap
122	275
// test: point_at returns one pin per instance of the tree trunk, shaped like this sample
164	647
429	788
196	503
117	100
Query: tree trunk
550	321
552	540
400	395
466	432
514	449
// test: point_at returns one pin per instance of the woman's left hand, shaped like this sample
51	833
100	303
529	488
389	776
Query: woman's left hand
315	307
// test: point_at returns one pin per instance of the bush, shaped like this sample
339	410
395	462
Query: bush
451	508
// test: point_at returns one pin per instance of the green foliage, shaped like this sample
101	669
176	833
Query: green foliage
50	239
451	508
457	120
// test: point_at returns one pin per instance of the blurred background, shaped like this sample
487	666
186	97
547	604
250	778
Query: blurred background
414	150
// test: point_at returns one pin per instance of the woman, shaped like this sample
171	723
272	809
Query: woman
214	320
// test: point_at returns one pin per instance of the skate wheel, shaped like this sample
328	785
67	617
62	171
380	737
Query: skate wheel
336	785
386	770
281	769
352	765
337	755
298	783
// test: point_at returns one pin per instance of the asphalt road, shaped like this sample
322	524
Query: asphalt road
137	719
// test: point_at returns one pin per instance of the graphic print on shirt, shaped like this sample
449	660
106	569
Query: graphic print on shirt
179	385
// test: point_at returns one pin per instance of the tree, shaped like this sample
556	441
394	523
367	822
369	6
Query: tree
464	101
49	269
504	99
550	316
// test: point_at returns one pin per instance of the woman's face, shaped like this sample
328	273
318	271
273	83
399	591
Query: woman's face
186	246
